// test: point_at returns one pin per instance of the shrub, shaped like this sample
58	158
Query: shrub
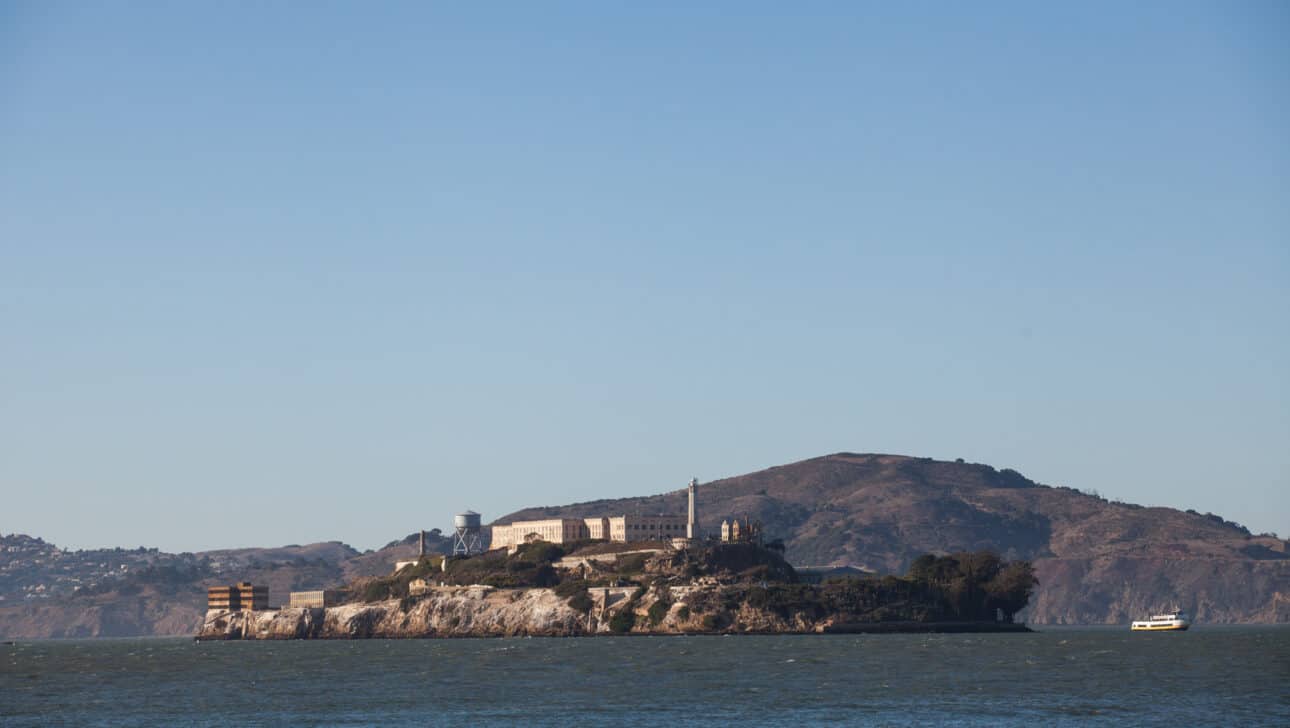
529	568
581	601
545	576
751	560
623	621
714	622
683	612
705	600
575	592
631	564
570	587
501	581
376	591
657	611
540	552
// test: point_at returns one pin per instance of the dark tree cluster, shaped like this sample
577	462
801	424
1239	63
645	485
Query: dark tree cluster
976	586
973	585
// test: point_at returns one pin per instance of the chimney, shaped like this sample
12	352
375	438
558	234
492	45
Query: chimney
421	552
691	525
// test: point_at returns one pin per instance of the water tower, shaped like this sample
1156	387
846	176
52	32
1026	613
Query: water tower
468	538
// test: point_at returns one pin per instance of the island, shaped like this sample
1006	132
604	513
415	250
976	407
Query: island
591	588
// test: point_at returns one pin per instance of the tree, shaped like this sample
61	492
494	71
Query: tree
961	583
658	611
622	621
1009	591
923	569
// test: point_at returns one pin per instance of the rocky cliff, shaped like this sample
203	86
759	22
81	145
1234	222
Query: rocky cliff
455	611
480	611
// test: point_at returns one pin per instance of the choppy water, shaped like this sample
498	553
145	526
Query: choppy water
1218	676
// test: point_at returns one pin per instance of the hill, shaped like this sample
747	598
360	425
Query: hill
1098	561
46	591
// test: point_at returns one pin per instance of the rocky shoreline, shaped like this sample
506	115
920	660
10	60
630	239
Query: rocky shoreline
481	611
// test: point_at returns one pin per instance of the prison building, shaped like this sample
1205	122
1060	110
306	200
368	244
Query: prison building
597	528
612	528
239	597
646	528
315	599
554	530
679	530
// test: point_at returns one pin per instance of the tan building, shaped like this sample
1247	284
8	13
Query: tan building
315	599
646	528
597	528
567	530
678	529
553	530
242	596
732	531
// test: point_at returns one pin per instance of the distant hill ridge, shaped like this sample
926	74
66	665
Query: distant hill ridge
1097	560
46	591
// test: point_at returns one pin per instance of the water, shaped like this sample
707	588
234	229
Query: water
1216	676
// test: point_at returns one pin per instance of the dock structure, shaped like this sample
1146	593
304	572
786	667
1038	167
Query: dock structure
242	596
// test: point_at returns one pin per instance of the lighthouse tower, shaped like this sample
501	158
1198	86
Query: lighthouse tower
692	523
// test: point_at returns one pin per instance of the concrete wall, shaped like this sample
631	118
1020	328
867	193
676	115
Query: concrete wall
574	562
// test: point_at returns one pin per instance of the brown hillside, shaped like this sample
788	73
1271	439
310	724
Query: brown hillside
170	599
1097	560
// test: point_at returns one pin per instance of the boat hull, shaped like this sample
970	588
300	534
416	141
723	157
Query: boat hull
1160	627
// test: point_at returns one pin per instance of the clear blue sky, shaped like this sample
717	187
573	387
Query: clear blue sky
276	273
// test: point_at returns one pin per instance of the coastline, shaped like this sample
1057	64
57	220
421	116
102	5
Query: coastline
727	588
482	612
857	628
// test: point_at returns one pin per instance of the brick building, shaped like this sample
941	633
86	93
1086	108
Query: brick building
242	596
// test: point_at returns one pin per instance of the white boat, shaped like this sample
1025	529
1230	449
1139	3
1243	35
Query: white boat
1169	622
